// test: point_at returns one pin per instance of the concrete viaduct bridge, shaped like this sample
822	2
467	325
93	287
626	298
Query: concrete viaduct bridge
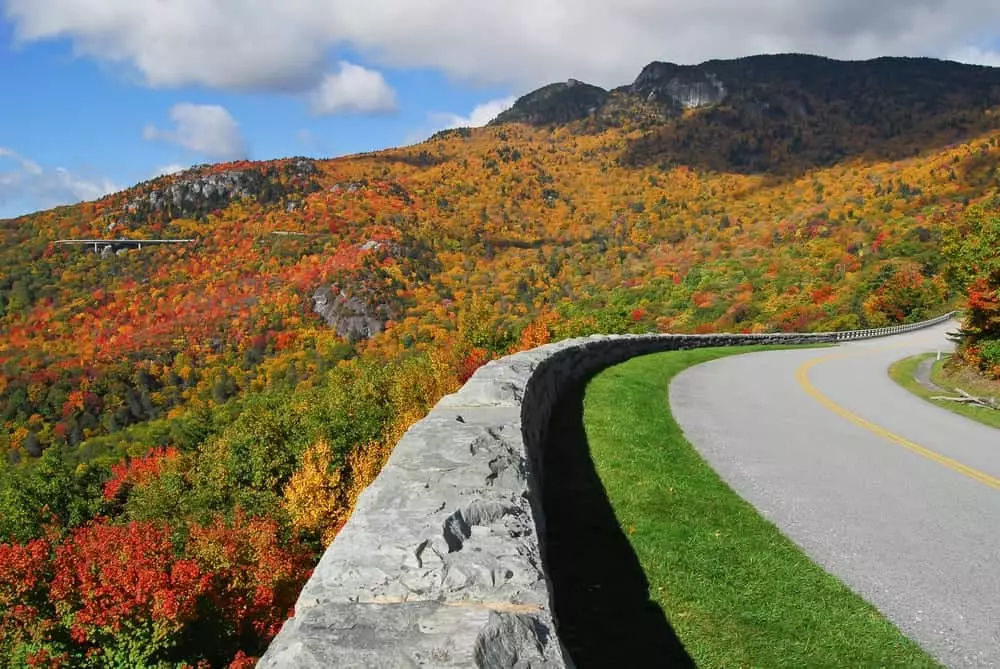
118	244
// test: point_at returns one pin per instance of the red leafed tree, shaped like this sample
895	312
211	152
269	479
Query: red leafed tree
475	359
25	614
982	324
137	471
117	585
256	575
984	305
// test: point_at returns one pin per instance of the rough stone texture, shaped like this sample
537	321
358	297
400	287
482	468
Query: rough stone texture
442	562
685	86
349	316
192	192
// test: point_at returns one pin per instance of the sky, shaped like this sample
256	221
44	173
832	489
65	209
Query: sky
98	95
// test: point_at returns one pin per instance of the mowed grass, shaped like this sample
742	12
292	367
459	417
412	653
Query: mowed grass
902	372
735	590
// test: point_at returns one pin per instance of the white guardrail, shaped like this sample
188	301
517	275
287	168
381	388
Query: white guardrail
888	331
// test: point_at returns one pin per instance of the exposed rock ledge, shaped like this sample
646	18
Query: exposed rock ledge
442	561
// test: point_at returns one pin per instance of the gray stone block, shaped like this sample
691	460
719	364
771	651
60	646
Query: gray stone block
440	564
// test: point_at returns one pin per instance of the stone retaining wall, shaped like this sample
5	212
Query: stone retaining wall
442	561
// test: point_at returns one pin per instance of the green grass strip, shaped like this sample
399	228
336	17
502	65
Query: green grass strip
737	592
903	373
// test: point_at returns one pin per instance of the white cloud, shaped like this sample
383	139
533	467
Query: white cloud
26	185
353	90
207	129
27	166
480	115
170	169
268	45
976	56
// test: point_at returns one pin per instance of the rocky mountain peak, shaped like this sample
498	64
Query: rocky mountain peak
686	87
562	102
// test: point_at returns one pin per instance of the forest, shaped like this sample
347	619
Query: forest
184	433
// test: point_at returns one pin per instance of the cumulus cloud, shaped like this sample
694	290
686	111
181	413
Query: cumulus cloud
267	45
170	169
353	90
976	55
25	165
26	185
480	115
206	129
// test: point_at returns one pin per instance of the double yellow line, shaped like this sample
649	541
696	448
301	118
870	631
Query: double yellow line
802	377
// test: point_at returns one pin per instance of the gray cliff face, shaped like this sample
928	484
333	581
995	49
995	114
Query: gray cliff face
661	91
694	94
220	187
683	87
349	316
226	186
192	193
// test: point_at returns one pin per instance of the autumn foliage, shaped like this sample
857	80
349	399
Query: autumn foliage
108	577
137	471
313	496
184	435
972	246
108	594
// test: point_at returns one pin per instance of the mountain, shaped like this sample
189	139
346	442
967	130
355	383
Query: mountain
556	103
778	113
718	196
217	403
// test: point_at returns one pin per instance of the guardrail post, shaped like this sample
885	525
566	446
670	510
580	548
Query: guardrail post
868	333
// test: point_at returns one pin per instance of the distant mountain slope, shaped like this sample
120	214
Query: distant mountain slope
779	113
773	192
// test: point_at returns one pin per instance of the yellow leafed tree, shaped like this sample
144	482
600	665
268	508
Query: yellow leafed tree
312	496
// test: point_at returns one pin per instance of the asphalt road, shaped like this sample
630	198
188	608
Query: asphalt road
898	498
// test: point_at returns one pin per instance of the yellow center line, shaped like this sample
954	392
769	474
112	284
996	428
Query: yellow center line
802	376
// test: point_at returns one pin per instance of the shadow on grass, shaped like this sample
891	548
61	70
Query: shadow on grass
601	596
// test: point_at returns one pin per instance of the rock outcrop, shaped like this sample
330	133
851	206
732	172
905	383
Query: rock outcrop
351	317
678	87
771	89
191	194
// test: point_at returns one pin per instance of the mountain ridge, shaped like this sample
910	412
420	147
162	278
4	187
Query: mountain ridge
707	82
756	114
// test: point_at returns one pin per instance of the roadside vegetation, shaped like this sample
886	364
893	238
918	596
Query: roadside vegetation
972	249
948	374
735	590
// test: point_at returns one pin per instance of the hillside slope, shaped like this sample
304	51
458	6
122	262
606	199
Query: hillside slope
781	113
324	305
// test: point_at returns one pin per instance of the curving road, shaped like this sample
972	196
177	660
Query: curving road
898	498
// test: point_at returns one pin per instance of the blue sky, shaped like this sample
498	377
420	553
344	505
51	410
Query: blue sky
101	94
88	118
